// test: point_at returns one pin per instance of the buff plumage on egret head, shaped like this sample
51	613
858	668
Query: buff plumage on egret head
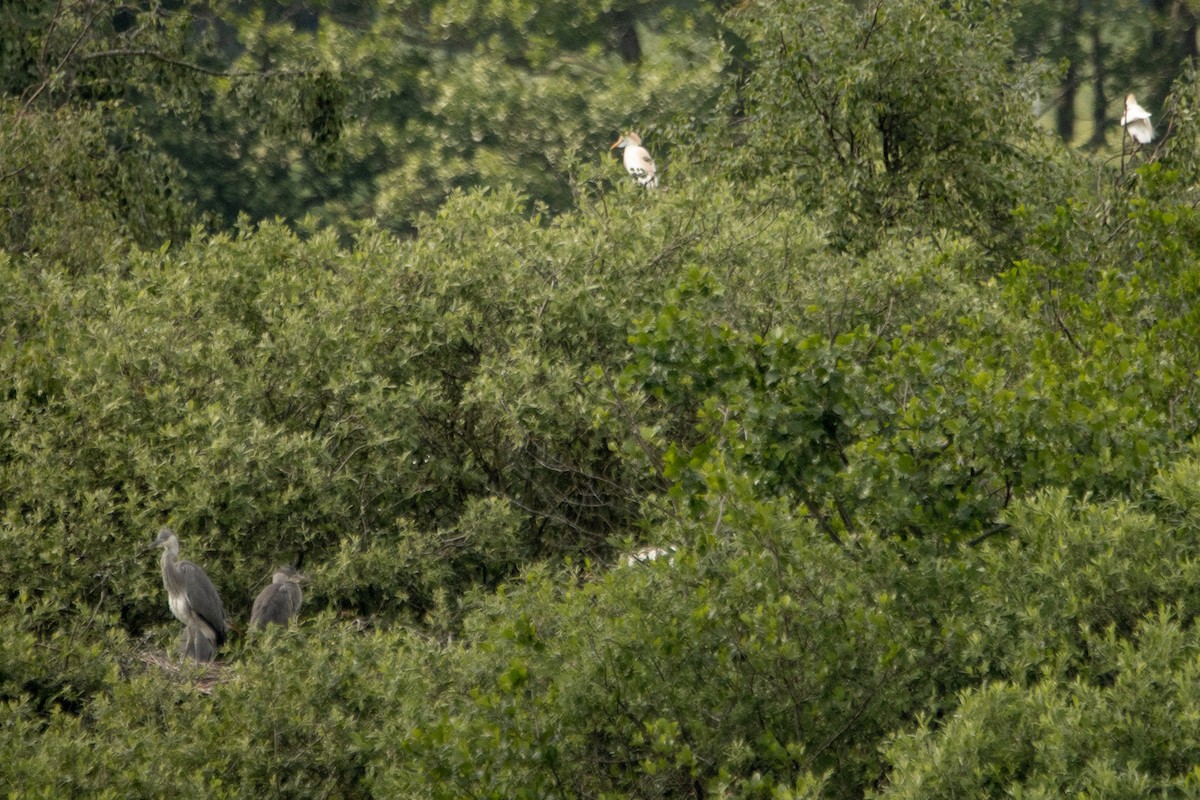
1137	121
638	162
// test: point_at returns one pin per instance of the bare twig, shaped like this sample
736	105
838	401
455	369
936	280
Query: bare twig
62	61
188	65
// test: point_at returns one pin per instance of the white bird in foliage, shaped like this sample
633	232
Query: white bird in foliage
648	554
1137	121
638	162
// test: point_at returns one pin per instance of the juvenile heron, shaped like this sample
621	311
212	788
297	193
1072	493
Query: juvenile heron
280	601
638	162
193	600
1137	121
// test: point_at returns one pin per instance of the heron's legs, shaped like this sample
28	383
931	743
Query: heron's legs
196	644
185	642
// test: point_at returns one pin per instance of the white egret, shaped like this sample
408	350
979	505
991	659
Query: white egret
1137	121
638	162
648	554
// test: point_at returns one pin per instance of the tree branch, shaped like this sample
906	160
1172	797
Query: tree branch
45	49
999	527
175	62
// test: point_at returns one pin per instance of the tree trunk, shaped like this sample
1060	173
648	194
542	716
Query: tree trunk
1069	29
1100	117
1190	31
623	35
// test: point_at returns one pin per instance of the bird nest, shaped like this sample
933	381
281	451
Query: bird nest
204	677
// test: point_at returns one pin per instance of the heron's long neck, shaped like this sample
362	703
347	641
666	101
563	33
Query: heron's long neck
169	570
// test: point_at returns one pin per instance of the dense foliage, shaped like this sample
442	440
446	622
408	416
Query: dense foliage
903	386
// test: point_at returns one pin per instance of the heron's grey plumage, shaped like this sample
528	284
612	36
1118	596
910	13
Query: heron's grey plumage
193	600
197	646
280	601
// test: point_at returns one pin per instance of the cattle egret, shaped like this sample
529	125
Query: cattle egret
1137	121
638	162
648	554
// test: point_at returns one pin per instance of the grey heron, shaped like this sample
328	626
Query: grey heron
193	600
638	162
280	600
